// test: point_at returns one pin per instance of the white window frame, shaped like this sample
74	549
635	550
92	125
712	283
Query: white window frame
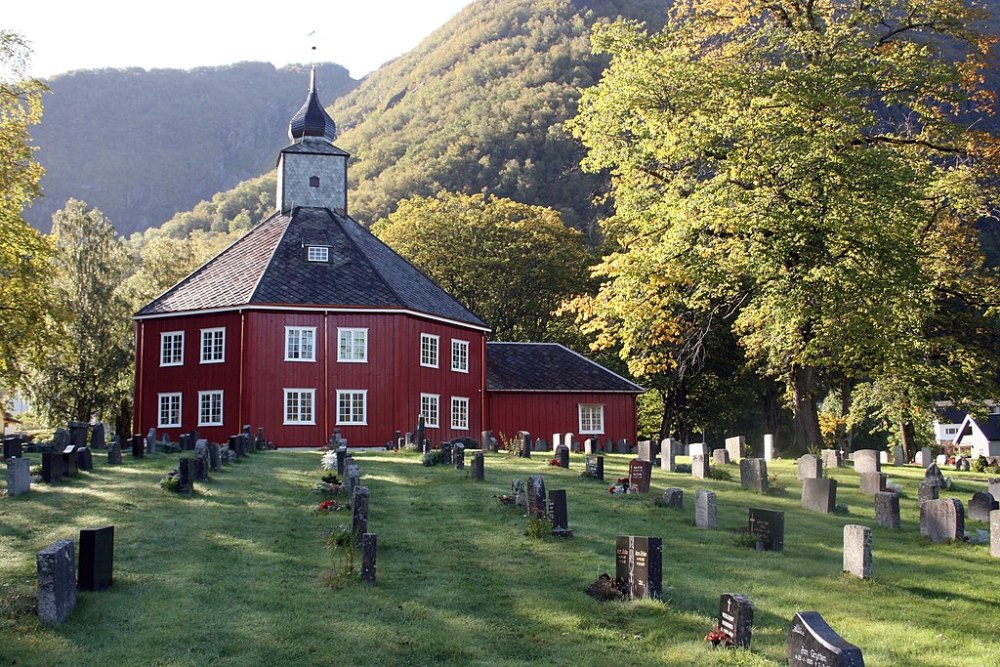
216	397
460	353
591	427
317	253
460	416
159	409
432	402
353	341
298	421
288	340
164	336
209	336
431	344
352	394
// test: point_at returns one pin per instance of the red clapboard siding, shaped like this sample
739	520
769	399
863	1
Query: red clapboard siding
545	413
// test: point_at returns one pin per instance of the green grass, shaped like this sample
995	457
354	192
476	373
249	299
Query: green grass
235	574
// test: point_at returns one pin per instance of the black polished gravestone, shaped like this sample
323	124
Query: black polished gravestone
559	514
97	436
97	551
639	566
562	455
595	467
446	453
458	456
341	460
813	643
536	497
69	461
525	445
52	467
369	555
84	459
478	471
185	468
12	447
639	474
768	526
736	619
138	447
115	452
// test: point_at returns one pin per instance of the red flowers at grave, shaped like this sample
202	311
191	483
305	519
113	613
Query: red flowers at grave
717	636
554	462
328	506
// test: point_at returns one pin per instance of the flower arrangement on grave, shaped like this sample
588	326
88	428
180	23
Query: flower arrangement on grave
717	636
327	488
621	486
329	506
554	462
504	499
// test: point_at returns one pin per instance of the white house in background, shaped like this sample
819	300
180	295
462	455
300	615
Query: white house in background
980	437
948	422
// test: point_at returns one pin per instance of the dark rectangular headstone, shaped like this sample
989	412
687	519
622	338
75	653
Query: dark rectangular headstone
753	475
214	460
78	433
341	457
639	474
562	454
525	445
12	447
768	526
595	467
97	551
813	643
446	450
359	511
115	452
536	497
639	566
673	498
97	436
56	584
819	494
736	619
369	554
52	467
478	468
559	513
84	459
69	462
138	448
458	456
187	474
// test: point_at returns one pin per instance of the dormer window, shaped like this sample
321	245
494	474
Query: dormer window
317	253
314	181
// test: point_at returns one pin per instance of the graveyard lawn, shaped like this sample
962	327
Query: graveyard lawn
234	575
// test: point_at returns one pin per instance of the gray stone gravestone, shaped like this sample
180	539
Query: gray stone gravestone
520	495
446	451
150	442
898	458
927	491
858	551
78	433
18	476
562	454
68	457
369	555
720	457
867	460
609	446
934	475
352	478
942	520
830	457
590	446
698	449
887	510
458	456
97	555
186	475
925	457
668	454
595	467
993	487
560	516
478	468
753	475
556	442
84	459
536	497
60	439
341	455
359	511
995	533
622	447
645	451
201	461
56	583
872	482
699	466
571	441
673	498
486	441
52	467
115	452
980	506
736	619
809	467
639	475
768	526
639	567
941	459
214	460
813	643
704	509
97	440
768	447
259	442
819	495
137	447
735	446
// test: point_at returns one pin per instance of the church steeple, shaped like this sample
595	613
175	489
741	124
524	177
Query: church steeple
312	120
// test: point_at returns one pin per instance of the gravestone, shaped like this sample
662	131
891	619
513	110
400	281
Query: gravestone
768	447
872	482
341	455
962	464
698	449
214	460
768	526
137	447
69	462
562	455
980	506
887	510
813	643
408	438
898	458
622	447
115	452
235	445
52	467
259	442
720	457
525	444
927	491
609	446
570	441
925	457
993	487
590	446
736	619
934	475
536	497
995	533
18	476
97	554
540	445
359	511
186	475
150	442
560	518
12	447
673	498
704	509
556	443
809	467
942	520
819	495
56	584
352	478
520	495
60	439
753	475
867	460
735	446
478	469
595	467
858	551
639	474
458	456
639	567
78	434
85	459
941	459
883	457
645	451
369	554
201	461
486	441
699	466
668	454
830	458
446	451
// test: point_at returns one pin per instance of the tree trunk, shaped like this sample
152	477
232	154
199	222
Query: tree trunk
805	418
907	435
843	435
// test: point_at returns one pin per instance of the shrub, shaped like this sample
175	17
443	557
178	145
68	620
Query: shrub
715	472
980	464
433	457
539	528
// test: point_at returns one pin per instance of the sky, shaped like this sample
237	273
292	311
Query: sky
361	35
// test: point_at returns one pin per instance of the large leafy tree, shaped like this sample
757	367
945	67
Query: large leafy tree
510	263
789	169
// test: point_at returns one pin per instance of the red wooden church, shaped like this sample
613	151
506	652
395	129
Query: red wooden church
308	323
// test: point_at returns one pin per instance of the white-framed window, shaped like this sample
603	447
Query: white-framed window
300	343
591	419
169	413
172	348
352	407
317	253
352	345
213	345
429	350
430	408
951	430
460	355
300	406
210	408
460	413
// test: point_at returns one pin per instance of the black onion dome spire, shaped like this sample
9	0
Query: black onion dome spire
312	120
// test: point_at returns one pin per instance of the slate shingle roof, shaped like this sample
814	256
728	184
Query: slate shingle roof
548	367
268	267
